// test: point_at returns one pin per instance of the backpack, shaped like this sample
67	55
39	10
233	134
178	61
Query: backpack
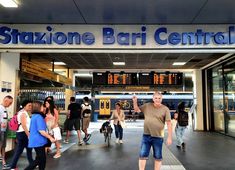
13	124
183	118
87	111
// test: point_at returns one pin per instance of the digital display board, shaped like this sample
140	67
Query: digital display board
153	78
108	78
122	79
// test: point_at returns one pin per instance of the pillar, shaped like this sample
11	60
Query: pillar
69	92
198	99
9	82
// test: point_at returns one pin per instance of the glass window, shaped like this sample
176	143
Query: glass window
217	96
229	74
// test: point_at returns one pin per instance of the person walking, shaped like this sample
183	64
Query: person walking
119	117
38	136
22	134
86	118
52	122
74	118
7	101
182	122
156	114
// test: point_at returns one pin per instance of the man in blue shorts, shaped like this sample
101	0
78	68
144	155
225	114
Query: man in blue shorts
156	114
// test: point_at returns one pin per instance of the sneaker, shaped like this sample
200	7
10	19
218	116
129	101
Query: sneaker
117	140
6	166
88	136
85	139
57	156
121	142
80	143
66	141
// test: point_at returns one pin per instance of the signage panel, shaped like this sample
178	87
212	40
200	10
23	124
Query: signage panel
31	36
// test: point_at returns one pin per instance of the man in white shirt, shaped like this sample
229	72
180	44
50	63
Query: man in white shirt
7	101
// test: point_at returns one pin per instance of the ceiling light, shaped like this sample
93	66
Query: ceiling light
58	63
83	75
9	3
179	63
119	63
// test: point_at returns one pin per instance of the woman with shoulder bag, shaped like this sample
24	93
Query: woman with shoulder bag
52	118
22	134
119	122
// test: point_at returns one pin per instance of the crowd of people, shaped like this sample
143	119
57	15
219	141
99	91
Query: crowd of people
39	128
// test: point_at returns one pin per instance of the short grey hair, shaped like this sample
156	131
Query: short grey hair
157	93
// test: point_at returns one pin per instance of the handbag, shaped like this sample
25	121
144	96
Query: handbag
123	124
57	133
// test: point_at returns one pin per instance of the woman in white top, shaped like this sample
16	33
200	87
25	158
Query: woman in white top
22	133
118	116
52	121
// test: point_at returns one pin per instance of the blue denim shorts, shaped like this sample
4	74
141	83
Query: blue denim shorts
147	142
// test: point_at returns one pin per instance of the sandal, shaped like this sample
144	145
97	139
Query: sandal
57	156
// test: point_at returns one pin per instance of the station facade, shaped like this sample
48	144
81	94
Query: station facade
214	84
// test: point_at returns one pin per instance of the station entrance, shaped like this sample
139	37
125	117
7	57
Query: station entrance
95	75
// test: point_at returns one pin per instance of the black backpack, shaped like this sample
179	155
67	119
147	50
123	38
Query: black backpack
183	118
87	111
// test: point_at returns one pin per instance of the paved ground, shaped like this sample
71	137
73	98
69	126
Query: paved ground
205	151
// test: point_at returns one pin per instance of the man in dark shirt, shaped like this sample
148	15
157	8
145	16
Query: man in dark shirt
74	119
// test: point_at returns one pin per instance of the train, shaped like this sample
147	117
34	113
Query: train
103	104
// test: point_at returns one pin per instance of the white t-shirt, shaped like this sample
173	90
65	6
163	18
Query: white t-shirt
27	120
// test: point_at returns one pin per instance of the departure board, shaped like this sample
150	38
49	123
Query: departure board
108	78
167	79
122	78
153	78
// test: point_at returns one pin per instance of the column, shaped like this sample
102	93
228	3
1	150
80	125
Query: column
9	82
69	92
198	99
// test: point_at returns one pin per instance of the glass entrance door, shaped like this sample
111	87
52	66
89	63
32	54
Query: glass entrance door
218	99
229	76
